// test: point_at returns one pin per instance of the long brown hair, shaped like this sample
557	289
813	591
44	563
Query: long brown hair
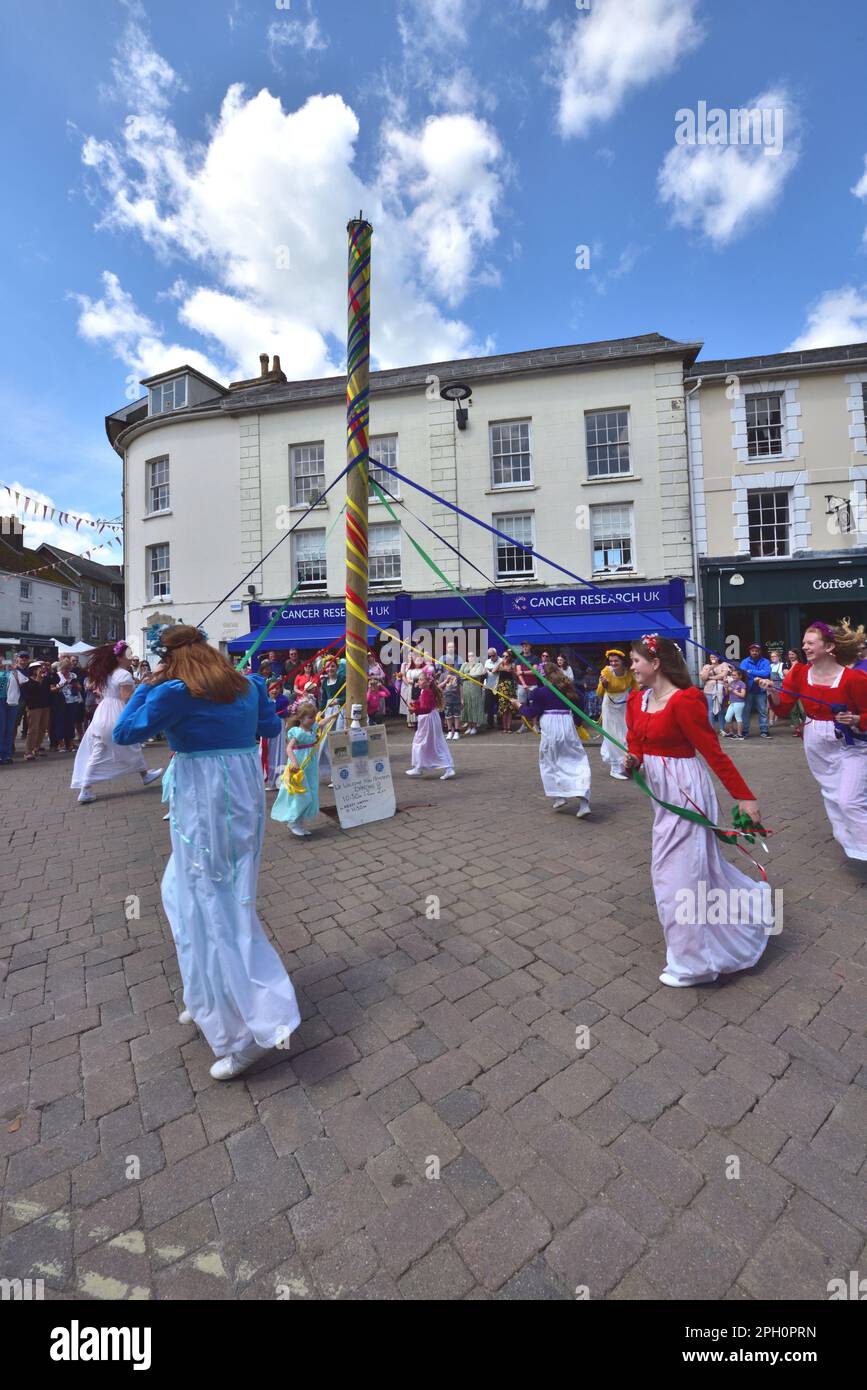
204	671
100	666
557	677
670	658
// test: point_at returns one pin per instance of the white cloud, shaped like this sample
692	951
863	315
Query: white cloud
448	170
837	317
270	186
860	189
304	34
436	24
720	190
612	50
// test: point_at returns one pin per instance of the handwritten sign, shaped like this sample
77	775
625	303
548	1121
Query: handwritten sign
361	773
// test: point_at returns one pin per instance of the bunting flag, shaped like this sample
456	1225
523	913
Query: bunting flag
61	518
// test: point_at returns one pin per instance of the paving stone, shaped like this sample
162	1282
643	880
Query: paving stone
182	1137
392	1100
255	1252
290	1120
577	1088
497	1144
441	1276
337	1211
691	1262
405	1232
670	1176
594	1252
202	1277
582	1163
796	1107
171	1192
321	1163
786	1266
640	1207
275	1188
459	1107
422	1134
392	1173
718	1101
175	1239
347	1267
165	1098
357	1131
472	1184
447	1073
385	1066
555	1198
34	1203
332	1056
501	1240
60	1117
536	1283
810	1171
40	1250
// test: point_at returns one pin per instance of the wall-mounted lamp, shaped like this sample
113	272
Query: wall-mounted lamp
458	391
842	509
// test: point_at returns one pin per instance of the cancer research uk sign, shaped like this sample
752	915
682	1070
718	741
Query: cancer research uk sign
361	773
569	602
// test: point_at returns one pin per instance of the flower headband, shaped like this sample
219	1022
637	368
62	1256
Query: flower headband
119	648
649	641
156	638
615	651
826	631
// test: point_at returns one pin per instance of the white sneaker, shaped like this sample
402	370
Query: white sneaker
167	816
667	979
620	776
296	831
413	772
151	776
456	735
561	801
84	795
449	734
236	1062
470	732
583	807
449	772
185	1017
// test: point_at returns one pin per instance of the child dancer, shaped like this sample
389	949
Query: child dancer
274	749
714	917
298	798
834	739
429	748
563	764
615	683
98	758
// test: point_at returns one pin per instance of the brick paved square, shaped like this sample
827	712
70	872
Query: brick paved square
452	1039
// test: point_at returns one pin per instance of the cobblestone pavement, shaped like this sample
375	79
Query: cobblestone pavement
432	1043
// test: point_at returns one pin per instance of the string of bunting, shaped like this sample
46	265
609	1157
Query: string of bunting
63	518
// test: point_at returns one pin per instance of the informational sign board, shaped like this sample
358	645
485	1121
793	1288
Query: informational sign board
361	773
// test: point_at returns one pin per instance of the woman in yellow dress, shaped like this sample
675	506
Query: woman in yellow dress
615	683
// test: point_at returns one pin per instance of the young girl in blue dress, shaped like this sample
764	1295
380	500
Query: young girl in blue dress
302	770
235	987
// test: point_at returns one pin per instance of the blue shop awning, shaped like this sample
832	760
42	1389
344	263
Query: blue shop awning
595	627
306	637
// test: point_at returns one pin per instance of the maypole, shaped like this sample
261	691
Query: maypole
357	420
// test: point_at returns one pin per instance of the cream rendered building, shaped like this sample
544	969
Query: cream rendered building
579	452
778	452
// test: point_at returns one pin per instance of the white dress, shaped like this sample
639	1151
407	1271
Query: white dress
563	765
841	771
98	759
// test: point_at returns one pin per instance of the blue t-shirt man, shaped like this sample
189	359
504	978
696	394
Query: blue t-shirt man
755	665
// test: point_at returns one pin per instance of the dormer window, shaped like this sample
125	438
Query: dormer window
168	395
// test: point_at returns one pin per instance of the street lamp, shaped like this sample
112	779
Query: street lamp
458	391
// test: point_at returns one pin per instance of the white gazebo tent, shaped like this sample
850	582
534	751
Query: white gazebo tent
81	649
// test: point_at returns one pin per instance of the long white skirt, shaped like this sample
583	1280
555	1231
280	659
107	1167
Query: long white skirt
334	726
235	985
842	776
614	722
97	758
563	764
429	747
714	917
276	756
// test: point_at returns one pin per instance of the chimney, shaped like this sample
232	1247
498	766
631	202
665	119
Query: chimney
263	364
275	365
12	532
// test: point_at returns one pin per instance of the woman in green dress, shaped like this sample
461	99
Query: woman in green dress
473	671
506	687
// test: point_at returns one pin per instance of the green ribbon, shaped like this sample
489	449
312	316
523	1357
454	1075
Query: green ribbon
697	817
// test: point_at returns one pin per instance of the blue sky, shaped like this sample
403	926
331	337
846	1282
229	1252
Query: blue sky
183	175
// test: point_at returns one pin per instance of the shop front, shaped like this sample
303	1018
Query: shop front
578	622
773	601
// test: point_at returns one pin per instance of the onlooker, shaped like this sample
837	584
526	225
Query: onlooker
306	682
712	677
778	671
376	698
565	668
37	698
753	667
451	688
473	710
797	717
506	686
12	706
492	668
736	690
525	674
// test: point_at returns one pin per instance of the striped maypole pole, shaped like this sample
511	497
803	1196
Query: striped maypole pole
357	419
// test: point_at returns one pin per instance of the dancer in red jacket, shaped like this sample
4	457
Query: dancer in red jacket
715	919
834	698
